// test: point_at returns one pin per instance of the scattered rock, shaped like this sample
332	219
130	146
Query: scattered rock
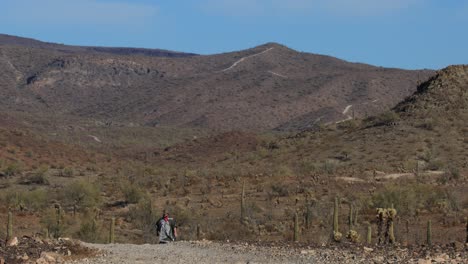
368	250
424	261
12	242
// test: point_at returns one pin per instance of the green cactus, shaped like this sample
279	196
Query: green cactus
466	230
429	233
369	234
381	214
336	232
112	231
243	202
391	213
296	228
198	232
308	216
355	215
391	234
10	226
46	233
58	221
350	218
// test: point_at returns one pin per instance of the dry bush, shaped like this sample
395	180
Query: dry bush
82	194
411	198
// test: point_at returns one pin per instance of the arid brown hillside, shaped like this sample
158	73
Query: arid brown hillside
427	131
263	88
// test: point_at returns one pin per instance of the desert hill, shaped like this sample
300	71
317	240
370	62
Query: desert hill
426	131
89	131
263	88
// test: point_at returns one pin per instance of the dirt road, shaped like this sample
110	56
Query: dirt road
215	252
207	252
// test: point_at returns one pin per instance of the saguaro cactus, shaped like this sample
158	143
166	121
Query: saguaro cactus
369	234
429	233
10	226
336	232
112	231
198	232
308	216
350	218
243	202
466	230
58	220
296	227
391	213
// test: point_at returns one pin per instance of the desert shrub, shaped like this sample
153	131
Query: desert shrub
427	124
435	164
35	200
330	166
348	124
144	217
409	199
67	172
38	177
283	170
453	172
90	229
132	192
82	194
49	222
279	189
12	169
384	119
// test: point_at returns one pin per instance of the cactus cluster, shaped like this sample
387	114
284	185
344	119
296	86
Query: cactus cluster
352	235
385	219
336	233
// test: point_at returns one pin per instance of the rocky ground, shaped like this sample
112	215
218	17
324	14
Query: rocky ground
42	251
214	252
37	251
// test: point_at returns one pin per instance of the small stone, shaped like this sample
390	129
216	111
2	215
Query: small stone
41	261
308	252
12	242
368	250
48	257
378	259
424	261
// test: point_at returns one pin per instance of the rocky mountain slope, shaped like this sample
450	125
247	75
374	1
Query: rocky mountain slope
267	87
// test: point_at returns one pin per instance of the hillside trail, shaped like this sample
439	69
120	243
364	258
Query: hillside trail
244	58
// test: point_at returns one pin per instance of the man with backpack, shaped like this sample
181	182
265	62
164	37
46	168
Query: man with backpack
166	229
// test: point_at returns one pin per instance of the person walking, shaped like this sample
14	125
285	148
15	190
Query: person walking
166	229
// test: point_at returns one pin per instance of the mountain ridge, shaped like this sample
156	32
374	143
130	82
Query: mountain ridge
267	87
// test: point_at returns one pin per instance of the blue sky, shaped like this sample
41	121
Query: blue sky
393	33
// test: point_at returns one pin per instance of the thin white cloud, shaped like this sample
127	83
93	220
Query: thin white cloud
347	8
73	12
